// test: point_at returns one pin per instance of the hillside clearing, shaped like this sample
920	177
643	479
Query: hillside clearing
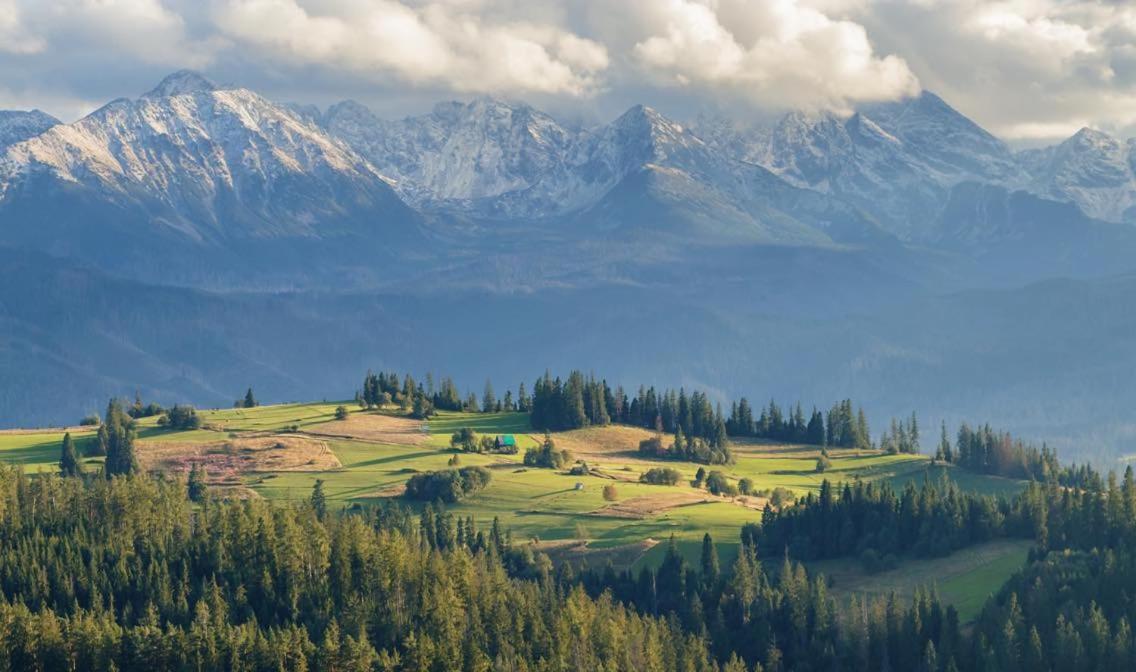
226	461
963	579
376	427
647	506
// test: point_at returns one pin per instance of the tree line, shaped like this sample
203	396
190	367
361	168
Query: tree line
878	524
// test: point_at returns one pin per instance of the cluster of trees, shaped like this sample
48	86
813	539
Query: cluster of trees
873	521
247	401
843	426
774	425
901	437
115	441
581	401
571	404
661	476
687	449
490	403
382	389
986	451
468	441
1072	607
180	417
414	398
116	436
140	410
784	619
449	486
546	456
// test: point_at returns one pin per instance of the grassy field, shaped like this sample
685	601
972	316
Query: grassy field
377	453
963	579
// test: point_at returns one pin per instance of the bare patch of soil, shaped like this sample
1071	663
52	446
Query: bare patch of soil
614	442
225	462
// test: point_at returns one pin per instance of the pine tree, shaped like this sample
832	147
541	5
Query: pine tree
710	568
116	441
319	499
69	463
196	488
944	452
488	399
249	400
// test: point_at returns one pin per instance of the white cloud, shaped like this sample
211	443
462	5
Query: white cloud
1022	68
1026	69
447	44
14	36
779	53
145	30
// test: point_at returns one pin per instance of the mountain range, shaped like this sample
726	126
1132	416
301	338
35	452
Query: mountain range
216	236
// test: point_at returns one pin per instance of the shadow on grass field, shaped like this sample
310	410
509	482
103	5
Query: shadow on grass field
963	579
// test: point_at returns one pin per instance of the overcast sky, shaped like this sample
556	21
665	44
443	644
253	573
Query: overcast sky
1028	70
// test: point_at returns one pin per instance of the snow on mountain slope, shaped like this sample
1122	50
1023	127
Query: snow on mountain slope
498	161
207	161
896	160
17	126
644	175
1092	169
459	151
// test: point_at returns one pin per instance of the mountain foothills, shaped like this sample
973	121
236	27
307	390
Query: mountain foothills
201	237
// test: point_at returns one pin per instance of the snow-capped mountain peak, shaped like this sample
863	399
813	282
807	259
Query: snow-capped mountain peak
180	83
17	126
208	162
1092	169
480	149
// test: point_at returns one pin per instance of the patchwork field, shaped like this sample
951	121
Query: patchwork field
280	451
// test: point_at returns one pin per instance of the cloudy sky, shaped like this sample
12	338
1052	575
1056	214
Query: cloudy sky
1028	70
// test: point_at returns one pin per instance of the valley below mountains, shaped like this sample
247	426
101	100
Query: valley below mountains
199	239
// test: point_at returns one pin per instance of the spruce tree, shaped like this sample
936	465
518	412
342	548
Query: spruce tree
710	568
116	441
196	487
250	400
69	464
319	499
944	451
488	399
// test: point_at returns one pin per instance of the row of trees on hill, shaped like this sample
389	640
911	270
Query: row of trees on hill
581	401
686	449
875	522
843	426
986	451
381	389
